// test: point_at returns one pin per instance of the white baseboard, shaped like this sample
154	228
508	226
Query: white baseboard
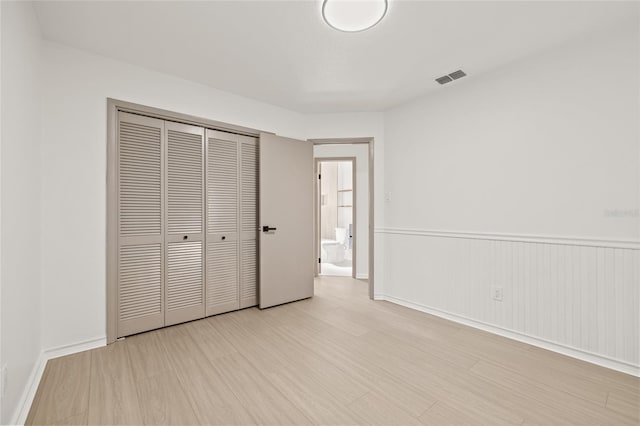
75	348
580	354
362	276
29	392
24	405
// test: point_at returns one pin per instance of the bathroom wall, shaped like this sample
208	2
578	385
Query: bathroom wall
329	206
345	194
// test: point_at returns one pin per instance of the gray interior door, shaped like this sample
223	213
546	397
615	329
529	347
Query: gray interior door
286	218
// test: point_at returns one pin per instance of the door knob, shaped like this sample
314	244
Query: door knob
267	228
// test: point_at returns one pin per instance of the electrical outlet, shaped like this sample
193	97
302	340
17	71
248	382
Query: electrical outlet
3	381
496	293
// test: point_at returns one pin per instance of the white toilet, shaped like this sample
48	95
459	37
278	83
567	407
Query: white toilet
333	251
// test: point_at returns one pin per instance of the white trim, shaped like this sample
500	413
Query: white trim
362	276
73	348
24	404
603	361
528	238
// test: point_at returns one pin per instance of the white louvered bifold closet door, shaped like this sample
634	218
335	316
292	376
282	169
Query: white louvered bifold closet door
248	221
222	223
232	189
184	290
140	170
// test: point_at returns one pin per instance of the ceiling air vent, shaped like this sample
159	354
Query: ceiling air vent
457	74
444	79
450	77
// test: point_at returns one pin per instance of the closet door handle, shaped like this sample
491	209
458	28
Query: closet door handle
267	228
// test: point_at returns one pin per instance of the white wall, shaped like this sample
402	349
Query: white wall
545	149
76	87
20	198
545	146
361	153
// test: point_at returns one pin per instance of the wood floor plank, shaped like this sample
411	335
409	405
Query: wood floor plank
376	410
213	344
65	392
113	398
163	401
253	344
312	399
258	396
565	406
444	413
626	404
213	402
76	419
610	378
161	397
337	358
147	355
582	386
351	357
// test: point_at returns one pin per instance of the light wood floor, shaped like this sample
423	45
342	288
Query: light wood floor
338	358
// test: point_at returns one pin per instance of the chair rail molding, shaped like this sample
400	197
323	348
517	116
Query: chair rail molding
527	238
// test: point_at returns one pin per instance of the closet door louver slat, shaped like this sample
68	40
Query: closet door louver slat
140	224
222	223
222	186
140	280
249	222
249	273
140	180
222	277
185	274
184	181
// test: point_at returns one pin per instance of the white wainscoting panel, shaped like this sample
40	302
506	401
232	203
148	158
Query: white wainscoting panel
580	294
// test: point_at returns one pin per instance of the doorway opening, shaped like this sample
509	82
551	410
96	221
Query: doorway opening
363	242
336	211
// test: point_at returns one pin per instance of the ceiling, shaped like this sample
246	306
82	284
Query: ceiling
281	52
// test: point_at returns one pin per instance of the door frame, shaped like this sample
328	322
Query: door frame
318	210
113	107
370	142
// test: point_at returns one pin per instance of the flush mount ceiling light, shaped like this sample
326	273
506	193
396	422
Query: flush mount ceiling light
353	15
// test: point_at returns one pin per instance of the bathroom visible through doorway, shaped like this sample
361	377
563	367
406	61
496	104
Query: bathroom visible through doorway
336	212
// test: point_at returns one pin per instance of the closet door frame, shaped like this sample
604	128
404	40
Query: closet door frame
113	107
